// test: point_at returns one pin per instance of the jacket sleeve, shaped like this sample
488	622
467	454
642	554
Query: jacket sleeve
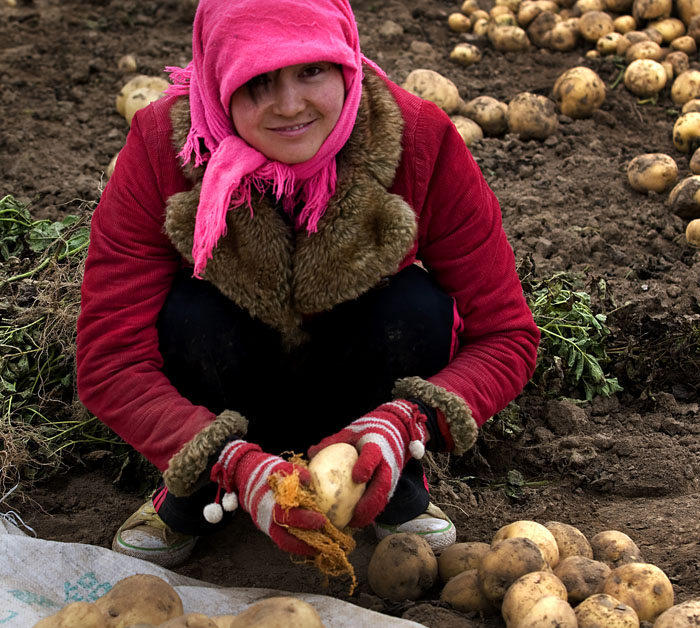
128	273
462	243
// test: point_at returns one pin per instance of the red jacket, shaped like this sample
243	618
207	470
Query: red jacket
131	263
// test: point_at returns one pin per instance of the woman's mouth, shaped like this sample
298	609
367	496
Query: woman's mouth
293	129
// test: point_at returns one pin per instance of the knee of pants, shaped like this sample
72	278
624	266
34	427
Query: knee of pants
412	312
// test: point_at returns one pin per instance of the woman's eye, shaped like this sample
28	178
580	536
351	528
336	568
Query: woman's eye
259	81
313	70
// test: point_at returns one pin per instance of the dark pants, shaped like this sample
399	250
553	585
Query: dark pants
217	356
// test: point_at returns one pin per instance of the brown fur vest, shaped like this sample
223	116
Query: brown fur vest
278	275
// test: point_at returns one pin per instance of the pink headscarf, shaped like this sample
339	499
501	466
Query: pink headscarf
232	42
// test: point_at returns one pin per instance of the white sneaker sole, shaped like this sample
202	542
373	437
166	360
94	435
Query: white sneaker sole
438	536
147	548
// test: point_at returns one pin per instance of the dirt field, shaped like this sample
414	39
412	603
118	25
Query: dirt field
630	462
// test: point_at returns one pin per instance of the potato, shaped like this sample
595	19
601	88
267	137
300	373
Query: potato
578	92
505	562
565	35
687	10
604	610
684	199
508	38
539	31
466	54
694	163
140	598
628	39
614	548
570	540
594	24
607	44
488	113
402	567
684	44
481	26
617	6
584	6
685	87
643	586
530	9
549	611
331	480
83	614
685	615
686	132
459	23
624	24
138	99
464	593
582	577
654	35
532	116
432	86
654	172
142	80
469	130
127	63
480	14
645	77
279	612
679	61
501	14
534	531
512	5
469	7
691	105
224	621
525	591
651	9
669	28
460	557
644	50
190	620
109	171
668	68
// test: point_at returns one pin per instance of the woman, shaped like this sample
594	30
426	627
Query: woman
293	249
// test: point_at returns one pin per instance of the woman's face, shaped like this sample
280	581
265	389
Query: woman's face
287	114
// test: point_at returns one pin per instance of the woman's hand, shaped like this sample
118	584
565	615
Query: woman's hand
242	471
384	439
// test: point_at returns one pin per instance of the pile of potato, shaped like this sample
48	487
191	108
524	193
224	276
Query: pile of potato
656	38
535	575
146	601
576	93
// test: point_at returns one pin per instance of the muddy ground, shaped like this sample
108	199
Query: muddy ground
630	462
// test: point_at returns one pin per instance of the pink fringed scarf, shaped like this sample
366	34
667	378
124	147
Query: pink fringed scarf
233	41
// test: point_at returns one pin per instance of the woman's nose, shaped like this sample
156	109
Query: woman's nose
289	98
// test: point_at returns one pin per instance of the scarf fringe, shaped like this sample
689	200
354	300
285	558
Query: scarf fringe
314	192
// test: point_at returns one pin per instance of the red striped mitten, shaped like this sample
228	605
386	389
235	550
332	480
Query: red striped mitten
242	471
385	439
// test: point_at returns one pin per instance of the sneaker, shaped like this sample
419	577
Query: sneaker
433	525
145	535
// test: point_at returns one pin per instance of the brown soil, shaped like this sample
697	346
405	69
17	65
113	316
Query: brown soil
629	463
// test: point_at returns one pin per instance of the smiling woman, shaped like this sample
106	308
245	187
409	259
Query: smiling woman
288	114
294	252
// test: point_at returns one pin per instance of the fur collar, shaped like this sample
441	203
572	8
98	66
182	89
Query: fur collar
278	275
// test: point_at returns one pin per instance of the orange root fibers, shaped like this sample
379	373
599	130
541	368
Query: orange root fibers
333	545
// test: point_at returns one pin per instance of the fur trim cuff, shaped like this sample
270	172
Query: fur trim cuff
457	413
187	465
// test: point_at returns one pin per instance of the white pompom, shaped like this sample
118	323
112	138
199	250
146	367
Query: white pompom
213	513
417	449
229	502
